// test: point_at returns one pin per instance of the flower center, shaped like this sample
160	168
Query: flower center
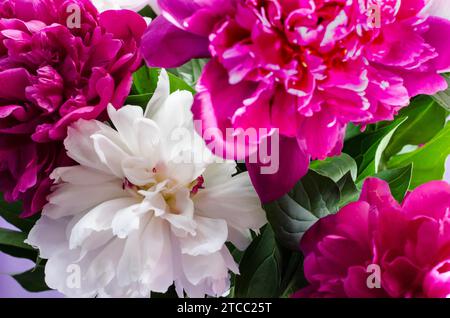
167	189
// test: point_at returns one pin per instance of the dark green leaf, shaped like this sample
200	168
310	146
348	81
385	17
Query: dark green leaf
352	131
12	243
33	280
336	167
367	148
348	190
139	100
11	213
260	268
293	276
313	197
147	12
399	180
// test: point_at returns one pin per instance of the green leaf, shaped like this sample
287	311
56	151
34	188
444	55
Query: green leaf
428	161
177	83
260	268
139	100
399	180
367	148
145	80
348	190
352	131
424	119
313	197
191	71
147	12
11	213
336	167
33	280
293	277
12	243
443	98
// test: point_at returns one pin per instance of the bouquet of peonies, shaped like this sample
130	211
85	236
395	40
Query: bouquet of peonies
225	148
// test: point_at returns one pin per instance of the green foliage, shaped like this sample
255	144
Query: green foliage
327	186
33	280
260	268
367	148
145	81
424	118
428	161
11	213
399	180
12	243
191	71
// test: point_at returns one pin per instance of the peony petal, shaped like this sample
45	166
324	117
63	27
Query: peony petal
430	199
438	26
160	95
291	165
165	45
210	235
65	199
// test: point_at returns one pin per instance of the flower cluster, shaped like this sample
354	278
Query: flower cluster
306	68
52	73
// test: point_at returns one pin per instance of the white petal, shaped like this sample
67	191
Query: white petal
219	173
80	146
138	171
157	256
48	236
234	201
198	268
124	119
98	219
175	113
241	238
110	154
127	220
181	216
160	95
129	268
184	173
68	199
148	137
210	236
102	269
63	272
81	175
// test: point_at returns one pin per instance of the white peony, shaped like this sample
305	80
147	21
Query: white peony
135	5
135	216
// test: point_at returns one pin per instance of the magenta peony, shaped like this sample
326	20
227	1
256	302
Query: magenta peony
306	67
407	246
53	72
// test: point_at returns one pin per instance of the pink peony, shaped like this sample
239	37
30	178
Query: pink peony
52	73
306	67
410	244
